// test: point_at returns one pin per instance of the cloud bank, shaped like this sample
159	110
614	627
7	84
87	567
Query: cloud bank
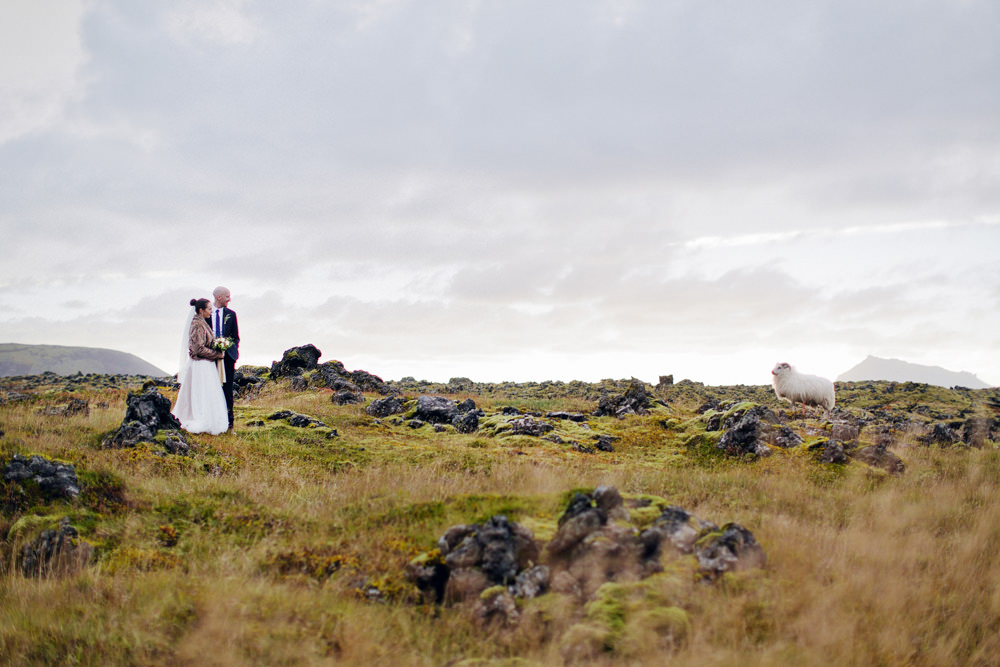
509	190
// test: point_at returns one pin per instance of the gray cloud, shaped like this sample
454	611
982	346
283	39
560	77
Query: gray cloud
499	180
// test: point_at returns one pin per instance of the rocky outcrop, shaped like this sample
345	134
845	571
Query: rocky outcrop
877	456
472	558
300	421
333	375
731	549
745	431
145	414
568	416
295	361
384	407
635	401
942	435
55	552
249	380
674	529
529	426
345	397
436	409
595	543
75	407
829	451
441	410
54	479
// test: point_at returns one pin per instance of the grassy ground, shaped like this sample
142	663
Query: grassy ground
279	545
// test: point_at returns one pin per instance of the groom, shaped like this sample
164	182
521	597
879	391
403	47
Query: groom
223	324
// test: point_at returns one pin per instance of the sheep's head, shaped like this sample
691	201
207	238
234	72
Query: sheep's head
781	369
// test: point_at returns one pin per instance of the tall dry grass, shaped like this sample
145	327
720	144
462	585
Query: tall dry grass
863	568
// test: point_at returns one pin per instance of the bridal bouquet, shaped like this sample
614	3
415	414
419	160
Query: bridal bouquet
222	344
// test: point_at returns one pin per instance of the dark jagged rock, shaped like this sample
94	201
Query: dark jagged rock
845	430
829	451
129	435
568	416
580	519
877	456
54	479
532	583
75	406
785	438
609	500
295	419
340	384
384	407
466	405
943	435
508	411
529	426
247	381
605	443
302	421
595	543
978	430
635	401
370	382
436	409
56	551
477	556
345	397
732	549
744	437
334	375
496	608
150	408
145	415
459	384
176	444
296	361
467	422
499	550
675	527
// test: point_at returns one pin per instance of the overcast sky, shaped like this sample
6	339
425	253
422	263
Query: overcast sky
507	189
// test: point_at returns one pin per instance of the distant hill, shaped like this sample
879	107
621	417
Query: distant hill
18	359
896	370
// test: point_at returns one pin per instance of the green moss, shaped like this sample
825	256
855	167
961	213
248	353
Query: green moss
29	526
492	592
608	610
643	517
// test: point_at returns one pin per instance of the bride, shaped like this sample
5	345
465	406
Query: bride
201	405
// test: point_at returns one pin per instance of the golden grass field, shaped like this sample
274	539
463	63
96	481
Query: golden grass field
276	545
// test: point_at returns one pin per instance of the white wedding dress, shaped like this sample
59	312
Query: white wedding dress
201	405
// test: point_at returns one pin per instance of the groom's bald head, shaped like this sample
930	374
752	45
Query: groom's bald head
222	296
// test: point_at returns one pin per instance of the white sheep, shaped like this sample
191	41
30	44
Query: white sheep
795	387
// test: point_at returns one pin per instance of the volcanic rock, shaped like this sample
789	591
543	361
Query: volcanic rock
56	551
56	480
296	361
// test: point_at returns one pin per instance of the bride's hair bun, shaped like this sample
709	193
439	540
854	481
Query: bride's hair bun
194	302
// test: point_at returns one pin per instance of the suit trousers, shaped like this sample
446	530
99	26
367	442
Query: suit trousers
227	386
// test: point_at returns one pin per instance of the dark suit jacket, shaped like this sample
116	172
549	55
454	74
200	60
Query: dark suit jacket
230	329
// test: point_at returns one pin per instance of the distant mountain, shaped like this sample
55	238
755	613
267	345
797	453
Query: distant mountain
18	359
896	370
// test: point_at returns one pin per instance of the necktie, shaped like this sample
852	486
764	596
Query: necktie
218	329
